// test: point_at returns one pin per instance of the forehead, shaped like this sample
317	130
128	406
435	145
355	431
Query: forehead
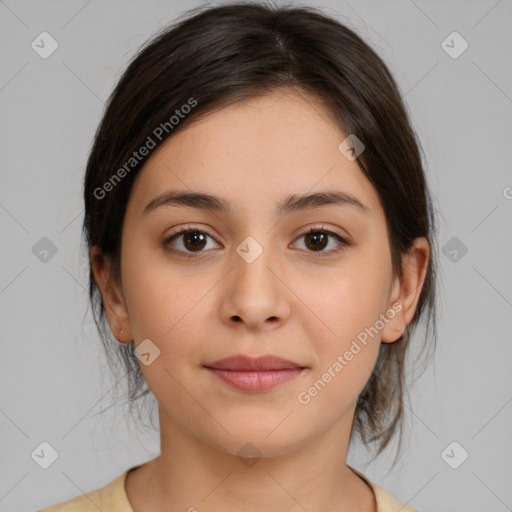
255	152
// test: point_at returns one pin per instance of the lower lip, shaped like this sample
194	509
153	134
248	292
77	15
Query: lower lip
256	381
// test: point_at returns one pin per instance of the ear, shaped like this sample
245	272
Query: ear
406	290
113	299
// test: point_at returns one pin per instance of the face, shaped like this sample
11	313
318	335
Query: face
302	281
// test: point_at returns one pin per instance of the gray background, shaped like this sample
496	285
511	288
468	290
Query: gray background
53	377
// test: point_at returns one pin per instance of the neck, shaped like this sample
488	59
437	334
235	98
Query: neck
193	476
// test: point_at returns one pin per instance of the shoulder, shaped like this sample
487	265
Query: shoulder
385	502
109	498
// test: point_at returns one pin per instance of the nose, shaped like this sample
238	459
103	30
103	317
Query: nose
255	293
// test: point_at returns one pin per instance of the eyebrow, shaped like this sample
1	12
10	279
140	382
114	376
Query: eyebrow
292	203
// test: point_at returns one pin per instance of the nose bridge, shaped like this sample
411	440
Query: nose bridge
252	260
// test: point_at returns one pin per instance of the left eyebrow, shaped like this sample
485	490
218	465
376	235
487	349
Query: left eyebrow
297	202
292	203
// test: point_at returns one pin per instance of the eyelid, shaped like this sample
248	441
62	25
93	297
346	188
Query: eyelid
326	228
188	227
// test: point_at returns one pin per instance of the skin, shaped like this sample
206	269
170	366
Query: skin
287	302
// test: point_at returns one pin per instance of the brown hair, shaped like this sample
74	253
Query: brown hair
225	54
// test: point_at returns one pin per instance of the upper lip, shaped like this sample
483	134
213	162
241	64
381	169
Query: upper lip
246	363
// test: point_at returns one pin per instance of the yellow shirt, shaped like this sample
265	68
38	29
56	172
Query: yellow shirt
112	498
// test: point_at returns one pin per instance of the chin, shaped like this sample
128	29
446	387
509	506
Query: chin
251	442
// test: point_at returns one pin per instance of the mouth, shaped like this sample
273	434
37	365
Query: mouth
255	374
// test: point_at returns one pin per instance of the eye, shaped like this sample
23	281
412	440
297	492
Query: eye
190	240
317	239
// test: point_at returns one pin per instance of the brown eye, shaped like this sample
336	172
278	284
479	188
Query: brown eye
194	240
191	242
316	240
188	241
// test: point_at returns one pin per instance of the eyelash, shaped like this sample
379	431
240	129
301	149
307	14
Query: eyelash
343	243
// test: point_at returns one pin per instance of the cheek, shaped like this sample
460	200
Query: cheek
346	302
357	301
166	304
347	350
151	291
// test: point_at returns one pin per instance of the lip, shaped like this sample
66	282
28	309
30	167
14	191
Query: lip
255	374
254	364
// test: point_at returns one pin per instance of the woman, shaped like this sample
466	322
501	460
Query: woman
260	234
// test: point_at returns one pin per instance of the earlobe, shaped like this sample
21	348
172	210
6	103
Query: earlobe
396	324
113	300
407	290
